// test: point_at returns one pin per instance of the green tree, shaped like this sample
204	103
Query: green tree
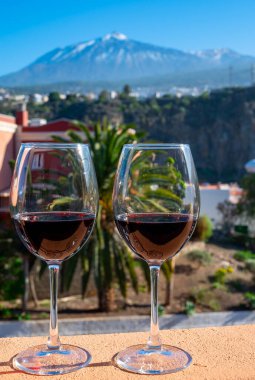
246	205
71	98
126	90
54	96
105	255
204	229
103	96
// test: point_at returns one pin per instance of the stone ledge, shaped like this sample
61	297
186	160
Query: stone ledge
219	353
124	324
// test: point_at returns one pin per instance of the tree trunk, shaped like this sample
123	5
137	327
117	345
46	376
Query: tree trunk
25	296
33	289
106	300
170	286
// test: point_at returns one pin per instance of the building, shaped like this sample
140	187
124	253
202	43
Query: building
17	130
212	195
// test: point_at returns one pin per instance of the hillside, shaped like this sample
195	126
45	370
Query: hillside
219	126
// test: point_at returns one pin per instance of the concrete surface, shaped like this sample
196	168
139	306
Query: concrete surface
219	353
106	325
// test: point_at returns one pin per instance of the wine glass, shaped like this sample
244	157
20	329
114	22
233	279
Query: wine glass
53	203
156	206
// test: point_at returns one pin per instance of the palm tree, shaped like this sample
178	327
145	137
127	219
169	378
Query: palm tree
105	255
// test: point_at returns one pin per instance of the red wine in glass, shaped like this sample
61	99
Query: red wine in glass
54	236
156	206
155	237
53	202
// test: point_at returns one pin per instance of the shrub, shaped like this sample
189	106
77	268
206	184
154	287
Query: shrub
220	275
250	265
250	298
214	305
190	308
205	297
161	310
199	295
201	257
203	230
244	256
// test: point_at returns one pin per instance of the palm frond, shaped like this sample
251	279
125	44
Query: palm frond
75	137
60	139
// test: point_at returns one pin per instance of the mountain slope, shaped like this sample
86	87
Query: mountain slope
116	58
112	57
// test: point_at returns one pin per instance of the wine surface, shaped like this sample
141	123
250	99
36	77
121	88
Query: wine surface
155	237
54	236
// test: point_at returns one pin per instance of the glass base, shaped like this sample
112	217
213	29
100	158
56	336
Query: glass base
145	360
40	360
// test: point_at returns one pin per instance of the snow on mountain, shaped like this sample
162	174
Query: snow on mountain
116	35
115	57
216	54
222	56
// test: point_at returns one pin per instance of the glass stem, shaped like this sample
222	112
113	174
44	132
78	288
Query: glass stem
53	340
154	341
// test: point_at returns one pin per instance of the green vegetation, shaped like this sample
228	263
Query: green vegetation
203	230
7	313
244	256
207	123
242	213
190	308
205	297
250	266
221	275
248	258
250	298
246	204
200	257
161	310
105	256
16	265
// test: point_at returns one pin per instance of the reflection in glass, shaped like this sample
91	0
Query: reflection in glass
156	206
53	203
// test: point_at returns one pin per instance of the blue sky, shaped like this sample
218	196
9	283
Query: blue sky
29	28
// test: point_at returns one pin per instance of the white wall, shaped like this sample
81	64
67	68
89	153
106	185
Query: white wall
209	202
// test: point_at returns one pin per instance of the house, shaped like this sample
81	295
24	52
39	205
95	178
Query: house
212	195
17	130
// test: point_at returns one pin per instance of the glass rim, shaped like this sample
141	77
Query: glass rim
157	145
53	144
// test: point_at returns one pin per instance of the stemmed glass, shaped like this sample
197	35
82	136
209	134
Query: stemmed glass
156	206
53	203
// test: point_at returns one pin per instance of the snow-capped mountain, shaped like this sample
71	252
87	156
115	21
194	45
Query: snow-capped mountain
115	57
222	56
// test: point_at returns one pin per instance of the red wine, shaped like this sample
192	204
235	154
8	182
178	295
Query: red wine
54	236
155	237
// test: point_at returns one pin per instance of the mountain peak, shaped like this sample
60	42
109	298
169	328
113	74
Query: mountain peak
115	58
116	36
